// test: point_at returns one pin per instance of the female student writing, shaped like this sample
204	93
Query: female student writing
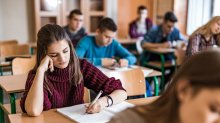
59	77
191	97
204	37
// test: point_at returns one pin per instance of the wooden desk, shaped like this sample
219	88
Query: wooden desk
143	101
127	41
52	116
11	85
161	65
161	50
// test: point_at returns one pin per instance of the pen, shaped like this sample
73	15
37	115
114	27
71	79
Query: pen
95	100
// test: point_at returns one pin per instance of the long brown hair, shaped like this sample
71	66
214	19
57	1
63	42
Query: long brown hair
205	30
49	34
201	70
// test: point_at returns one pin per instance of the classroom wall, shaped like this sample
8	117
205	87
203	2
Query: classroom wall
112	9
1	19
181	9
16	24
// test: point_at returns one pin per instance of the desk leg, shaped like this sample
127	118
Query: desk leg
13	103
163	71
1	103
156	86
31	51
1	71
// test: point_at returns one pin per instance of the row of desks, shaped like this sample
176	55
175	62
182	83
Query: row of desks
16	83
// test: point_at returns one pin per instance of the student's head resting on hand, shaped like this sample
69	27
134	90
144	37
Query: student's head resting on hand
55	43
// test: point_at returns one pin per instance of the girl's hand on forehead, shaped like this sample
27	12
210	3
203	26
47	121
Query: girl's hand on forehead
46	63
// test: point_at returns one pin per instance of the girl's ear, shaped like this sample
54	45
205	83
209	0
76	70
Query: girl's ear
183	89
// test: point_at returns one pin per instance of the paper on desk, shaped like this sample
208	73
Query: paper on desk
77	113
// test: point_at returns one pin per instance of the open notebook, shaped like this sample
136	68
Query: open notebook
77	113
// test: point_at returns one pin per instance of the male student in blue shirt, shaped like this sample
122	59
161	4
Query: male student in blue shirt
162	36
102	49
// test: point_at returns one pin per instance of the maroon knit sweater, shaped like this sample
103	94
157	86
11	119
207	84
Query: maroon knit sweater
63	94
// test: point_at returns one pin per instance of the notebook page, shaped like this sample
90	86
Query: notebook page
119	107
77	113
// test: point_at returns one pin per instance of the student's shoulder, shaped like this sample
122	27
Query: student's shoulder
154	30
196	35
115	42
82	30
176	30
65	27
84	64
133	22
87	40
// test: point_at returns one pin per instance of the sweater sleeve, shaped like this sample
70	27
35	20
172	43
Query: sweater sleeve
193	45
125	54
133	30
96	80
47	103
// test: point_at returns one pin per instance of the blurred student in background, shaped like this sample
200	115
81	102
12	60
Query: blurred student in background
141	25
102	49
205	37
75	29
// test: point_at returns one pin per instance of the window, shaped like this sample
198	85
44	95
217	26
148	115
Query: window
199	12
216	8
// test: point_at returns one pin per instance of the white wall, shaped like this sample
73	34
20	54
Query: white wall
15	23
216	8
112	10
1	30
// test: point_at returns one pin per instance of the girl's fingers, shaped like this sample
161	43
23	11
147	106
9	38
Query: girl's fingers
51	67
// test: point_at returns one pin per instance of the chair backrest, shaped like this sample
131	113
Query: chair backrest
14	49
86	96
23	65
9	42
7	47
132	80
23	49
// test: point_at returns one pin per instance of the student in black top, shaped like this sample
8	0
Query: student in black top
75	28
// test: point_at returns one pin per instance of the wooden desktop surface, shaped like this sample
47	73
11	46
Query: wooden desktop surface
152	74
161	50
13	83
52	116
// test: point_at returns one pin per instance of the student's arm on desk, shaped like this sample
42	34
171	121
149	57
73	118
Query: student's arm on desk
149	41
125	54
147	45
81	50
34	103
96	80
